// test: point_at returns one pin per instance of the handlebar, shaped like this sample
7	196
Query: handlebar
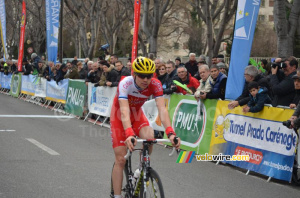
151	141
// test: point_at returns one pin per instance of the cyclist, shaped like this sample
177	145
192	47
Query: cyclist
127	117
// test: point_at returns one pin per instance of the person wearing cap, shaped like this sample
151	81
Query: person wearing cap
220	58
178	62
222	67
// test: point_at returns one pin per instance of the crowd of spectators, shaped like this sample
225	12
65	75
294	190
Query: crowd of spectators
278	84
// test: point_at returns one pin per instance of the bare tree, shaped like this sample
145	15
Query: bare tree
286	25
215	13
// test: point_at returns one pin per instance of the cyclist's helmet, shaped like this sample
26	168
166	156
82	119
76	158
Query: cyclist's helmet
143	65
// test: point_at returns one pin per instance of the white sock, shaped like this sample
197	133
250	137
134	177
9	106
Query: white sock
118	196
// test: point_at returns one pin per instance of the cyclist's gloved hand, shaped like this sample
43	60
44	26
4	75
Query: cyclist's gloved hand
171	135
129	135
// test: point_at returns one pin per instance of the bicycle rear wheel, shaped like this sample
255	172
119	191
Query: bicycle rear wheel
154	188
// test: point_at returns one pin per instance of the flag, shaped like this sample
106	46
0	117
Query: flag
185	157
137	10
22	35
52	28
3	27
245	22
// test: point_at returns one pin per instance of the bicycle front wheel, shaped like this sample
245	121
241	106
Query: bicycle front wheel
154	188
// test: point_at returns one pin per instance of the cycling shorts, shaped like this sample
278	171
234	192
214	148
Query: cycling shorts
138	121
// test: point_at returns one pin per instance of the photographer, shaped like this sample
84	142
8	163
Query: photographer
283	87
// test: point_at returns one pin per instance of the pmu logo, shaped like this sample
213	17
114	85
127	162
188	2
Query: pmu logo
245	18
189	124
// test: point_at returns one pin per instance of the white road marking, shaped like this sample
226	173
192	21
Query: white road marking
42	146
34	116
7	130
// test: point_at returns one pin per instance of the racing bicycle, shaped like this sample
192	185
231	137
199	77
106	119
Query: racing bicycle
148	183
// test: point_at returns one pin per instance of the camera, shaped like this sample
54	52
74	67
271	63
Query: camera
279	65
287	123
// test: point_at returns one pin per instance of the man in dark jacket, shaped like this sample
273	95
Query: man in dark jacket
94	74
27	66
122	71
251	74
218	85
283	89
172	73
191	66
110	73
61	73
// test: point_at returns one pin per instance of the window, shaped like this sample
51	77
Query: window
271	17
176	46
261	17
263	2
271	3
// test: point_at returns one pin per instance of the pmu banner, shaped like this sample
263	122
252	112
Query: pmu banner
52	28
15	85
100	99
137	10
28	87
262	136
3	27
22	35
194	130
76	97
57	92
245	22
5	80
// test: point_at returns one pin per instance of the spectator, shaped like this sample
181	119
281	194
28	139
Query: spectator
82	72
171	74
202	59
12	68
129	66
107	56
89	66
57	66
27	66
197	75
94	74
222	68
61	73
109	73
41	68
220	58
296	99
113	59
250	74
218	84
75	61
178	62
85	66
35	60
121	71
162	75
191	66
283	89
52	73
186	79
263	64
72	71
205	86
214	60
258	98
151	56
158	62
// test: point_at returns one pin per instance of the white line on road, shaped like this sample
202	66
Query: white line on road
7	130
34	116
42	146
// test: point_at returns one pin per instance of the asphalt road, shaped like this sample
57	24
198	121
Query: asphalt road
43	157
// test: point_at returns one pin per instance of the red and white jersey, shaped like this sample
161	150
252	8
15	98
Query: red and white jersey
128	90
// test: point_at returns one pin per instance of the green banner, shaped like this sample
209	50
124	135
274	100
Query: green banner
192	126
15	85
76	97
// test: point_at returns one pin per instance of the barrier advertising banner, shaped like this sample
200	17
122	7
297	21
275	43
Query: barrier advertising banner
76	97
28	87
269	144
194	130
41	86
5	81
57	92
3	28
15	85
100	99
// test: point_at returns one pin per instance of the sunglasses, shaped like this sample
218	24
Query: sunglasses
143	76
